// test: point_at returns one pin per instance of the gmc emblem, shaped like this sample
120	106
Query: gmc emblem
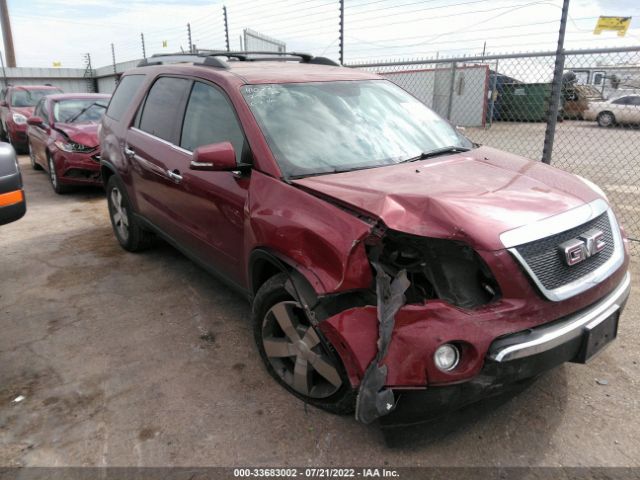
579	249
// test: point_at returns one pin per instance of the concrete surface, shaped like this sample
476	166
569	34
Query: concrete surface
145	360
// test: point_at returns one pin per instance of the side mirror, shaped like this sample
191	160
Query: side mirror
215	157
35	121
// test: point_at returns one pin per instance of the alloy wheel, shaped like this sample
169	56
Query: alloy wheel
119	214
605	120
32	157
296	353
52	174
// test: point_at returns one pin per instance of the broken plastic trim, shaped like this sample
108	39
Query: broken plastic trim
373	399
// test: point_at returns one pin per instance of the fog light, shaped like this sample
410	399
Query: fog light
446	357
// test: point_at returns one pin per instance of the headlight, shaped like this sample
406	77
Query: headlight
72	147
594	187
19	119
438	268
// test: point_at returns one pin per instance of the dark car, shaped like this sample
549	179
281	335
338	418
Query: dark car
393	266
13	205
16	106
63	138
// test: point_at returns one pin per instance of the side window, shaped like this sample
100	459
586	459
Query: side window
163	109
37	112
44	111
121	98
621	101
634	101
210	118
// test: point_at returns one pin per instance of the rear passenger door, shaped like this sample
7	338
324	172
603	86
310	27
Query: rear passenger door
157	161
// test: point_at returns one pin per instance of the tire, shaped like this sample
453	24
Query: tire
59	188
130	234
306	355
32	158
606	119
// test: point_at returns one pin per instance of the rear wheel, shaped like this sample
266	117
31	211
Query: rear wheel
606	119
130	234
295	354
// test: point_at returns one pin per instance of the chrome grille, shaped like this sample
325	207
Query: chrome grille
547	263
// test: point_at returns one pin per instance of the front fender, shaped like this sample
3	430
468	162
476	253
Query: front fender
324	242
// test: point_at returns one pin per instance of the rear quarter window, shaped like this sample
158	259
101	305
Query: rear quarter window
121	98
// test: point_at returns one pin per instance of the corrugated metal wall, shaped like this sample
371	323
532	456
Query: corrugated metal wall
70	80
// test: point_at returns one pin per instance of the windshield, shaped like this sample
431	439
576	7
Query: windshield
29	98
324	127
80	110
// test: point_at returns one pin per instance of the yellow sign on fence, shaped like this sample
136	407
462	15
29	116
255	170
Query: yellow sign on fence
57	63
616	24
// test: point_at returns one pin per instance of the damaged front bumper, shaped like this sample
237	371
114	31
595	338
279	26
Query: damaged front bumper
503	346
514	360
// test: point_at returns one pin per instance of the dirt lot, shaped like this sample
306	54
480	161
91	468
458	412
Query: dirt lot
144	359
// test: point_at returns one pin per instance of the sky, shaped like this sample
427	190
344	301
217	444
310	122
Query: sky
48	31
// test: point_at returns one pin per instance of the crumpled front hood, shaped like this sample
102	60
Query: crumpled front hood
473	196
82	133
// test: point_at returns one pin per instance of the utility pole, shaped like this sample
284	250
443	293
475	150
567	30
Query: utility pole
89	74
4	73
7	36
226	26
189	35
341	32
556	88
113	60
144	51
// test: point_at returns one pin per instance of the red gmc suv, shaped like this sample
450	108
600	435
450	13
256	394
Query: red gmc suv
394	267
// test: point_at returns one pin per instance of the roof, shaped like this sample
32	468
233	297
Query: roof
68	96
263	72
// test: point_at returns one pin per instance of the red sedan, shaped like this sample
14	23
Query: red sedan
63	138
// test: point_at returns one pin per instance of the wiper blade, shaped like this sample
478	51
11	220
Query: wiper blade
77	115
437	152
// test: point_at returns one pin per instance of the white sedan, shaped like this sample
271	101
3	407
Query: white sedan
617	111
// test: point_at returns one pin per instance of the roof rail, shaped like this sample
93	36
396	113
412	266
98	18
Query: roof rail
210	58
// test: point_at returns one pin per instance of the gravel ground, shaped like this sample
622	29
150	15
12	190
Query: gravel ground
145	360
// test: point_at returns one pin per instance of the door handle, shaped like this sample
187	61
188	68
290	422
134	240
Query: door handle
174	175
129	152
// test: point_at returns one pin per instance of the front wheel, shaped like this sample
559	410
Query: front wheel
129	233
606	119
295	355
53	177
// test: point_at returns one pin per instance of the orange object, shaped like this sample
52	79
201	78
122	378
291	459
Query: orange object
11	198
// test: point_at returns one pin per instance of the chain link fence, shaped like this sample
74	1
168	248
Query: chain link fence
503	101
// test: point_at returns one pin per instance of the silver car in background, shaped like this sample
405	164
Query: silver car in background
621	110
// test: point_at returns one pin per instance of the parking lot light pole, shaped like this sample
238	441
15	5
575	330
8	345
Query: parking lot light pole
556	88
226	28
113	60
144	50
341	33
